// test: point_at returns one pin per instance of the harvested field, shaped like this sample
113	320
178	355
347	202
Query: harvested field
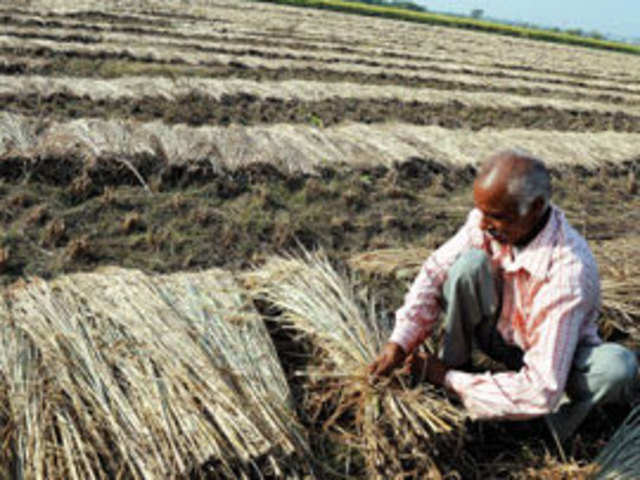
274	59
162	166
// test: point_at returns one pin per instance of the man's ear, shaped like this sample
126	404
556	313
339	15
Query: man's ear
537	206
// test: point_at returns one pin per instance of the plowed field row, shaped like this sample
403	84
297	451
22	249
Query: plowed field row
246	109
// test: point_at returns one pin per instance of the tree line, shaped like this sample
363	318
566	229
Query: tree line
407	5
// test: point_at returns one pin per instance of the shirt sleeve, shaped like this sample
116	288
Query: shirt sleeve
421	308
558	311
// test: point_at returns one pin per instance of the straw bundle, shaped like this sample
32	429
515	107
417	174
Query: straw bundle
397	429
119	374
620	285
620	459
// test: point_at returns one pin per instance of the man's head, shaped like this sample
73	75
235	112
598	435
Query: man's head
512	191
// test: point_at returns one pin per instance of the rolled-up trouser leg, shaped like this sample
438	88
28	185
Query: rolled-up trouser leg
606	373
471	301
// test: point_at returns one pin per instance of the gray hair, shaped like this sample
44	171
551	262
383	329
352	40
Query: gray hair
525	184
534	182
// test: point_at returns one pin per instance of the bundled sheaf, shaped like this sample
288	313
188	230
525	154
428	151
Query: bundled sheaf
397	428
118	374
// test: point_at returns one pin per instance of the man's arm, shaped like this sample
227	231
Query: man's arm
554	324
416	318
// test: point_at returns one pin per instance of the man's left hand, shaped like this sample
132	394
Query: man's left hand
426	367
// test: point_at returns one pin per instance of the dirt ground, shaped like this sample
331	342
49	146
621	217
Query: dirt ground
58	220
245	109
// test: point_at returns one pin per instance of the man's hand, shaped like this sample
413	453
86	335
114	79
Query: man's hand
391	357
424	366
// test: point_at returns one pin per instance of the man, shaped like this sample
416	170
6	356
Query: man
521	284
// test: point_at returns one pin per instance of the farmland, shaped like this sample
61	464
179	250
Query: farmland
207	139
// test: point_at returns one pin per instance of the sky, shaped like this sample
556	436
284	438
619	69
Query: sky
615	17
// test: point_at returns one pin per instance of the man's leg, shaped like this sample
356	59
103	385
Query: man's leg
472	305
601	374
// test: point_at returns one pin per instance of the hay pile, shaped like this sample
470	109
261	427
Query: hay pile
118	374
398	429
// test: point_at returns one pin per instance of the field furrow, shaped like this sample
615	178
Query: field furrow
198	108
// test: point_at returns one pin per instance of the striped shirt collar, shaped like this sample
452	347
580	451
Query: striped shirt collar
535	257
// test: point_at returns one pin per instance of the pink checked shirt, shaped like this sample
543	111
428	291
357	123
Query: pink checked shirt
550	302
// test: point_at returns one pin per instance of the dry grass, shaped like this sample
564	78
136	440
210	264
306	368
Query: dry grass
298	148
117	374
397	428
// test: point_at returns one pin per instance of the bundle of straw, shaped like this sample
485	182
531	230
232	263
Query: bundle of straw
620	459
395	427
122	375
620	285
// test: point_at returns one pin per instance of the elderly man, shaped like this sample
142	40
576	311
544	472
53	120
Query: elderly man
521	284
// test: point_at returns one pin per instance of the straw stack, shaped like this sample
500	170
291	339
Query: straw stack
397	428
118	374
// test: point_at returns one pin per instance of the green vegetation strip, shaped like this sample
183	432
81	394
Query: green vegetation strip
458	22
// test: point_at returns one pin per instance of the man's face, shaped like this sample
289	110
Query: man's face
500	216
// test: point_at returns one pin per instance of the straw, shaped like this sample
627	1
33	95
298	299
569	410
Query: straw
118	373
392	424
